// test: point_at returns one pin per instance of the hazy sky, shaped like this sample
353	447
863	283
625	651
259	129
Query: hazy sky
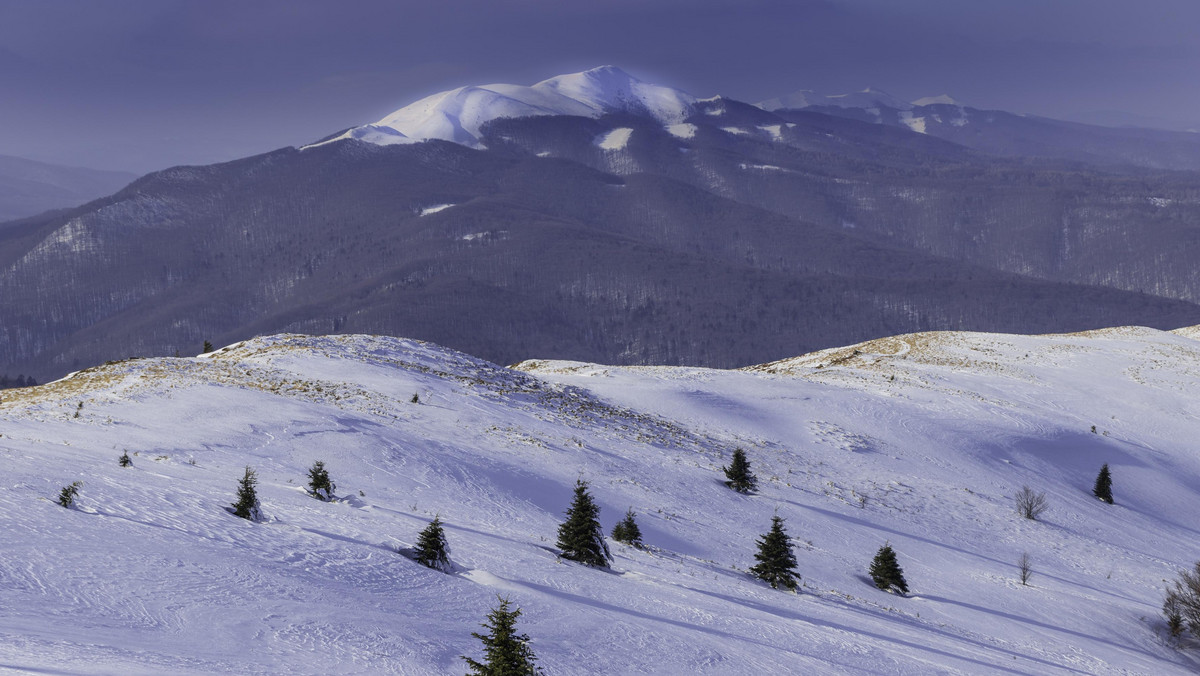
144	84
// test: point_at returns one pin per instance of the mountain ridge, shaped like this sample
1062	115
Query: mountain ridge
29	187
737	236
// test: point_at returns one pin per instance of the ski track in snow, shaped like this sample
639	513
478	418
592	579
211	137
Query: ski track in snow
918	440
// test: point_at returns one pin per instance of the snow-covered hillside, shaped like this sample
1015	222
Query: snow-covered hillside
459	114
918	440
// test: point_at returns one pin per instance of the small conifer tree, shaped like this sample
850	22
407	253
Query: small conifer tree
776	562
247	506
318	482
432	549
125	460
66	497
505	652
1103	487
627	530
416	399
738	474
580	538
886	572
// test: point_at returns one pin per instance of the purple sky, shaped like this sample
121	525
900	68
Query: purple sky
144	84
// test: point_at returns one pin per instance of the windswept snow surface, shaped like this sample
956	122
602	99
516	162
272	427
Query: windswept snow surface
916	440
459	115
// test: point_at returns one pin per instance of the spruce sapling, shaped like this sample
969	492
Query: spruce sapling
432	549
738	474
247	506
505	652
1103	486
319	484
627	531
580	538
886	572
776	562
66	497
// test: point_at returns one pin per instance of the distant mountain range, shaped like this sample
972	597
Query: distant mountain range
597	217
1007	134
28	188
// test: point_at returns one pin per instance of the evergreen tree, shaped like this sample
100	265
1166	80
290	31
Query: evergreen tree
318	482
627	530
207	348
247	506
580	538
66	497
432	549
125	460
1103	487
776	562
738	473
886	572
505	652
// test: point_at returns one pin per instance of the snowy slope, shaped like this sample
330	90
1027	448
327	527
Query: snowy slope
916	440
459	114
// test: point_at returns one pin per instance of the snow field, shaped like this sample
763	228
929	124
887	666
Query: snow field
919	441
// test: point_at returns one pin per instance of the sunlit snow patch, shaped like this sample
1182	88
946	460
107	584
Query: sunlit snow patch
615	139
763	167
775	130
434	209
916	124
684	130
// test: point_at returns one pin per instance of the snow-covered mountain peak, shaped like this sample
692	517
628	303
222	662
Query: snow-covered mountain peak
940	100
610	89
458	115
867	98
